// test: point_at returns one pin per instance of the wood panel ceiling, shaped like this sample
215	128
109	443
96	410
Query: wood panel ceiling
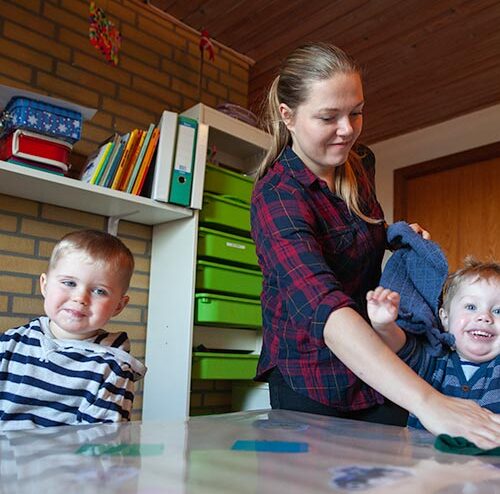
424	61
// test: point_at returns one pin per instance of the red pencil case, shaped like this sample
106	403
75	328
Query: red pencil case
35	147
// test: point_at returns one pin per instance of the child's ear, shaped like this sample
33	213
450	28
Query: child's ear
121	305
43	283
443	315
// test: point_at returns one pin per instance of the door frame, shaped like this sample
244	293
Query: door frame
403	175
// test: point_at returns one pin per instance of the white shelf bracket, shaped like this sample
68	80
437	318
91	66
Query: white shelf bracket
113	222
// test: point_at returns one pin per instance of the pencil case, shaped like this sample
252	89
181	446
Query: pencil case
45	118
34	147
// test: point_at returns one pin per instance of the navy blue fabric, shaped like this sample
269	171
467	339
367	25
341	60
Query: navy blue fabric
417	270
445	374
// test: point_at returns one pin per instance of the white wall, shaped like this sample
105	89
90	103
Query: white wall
459	134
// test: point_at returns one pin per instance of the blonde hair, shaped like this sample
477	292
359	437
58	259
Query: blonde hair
310	63
472	271
100	247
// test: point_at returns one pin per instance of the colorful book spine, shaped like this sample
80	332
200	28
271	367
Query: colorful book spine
108	178
147	163
140	159
95	163
134	155
129	147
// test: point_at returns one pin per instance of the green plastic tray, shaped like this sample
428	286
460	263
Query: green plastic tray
225	247
228	279
220	310
219	180
225	213
207	365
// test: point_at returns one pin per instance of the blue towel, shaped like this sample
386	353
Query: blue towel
417	270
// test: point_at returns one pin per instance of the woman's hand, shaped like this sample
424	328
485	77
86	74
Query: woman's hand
418	229
458	417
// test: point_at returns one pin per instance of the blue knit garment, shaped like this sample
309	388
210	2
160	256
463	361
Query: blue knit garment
417	270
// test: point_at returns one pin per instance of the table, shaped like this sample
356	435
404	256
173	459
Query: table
263	451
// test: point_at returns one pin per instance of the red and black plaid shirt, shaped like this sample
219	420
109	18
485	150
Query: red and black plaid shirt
316	257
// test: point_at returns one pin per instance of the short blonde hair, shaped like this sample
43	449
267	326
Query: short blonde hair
472	271
100	247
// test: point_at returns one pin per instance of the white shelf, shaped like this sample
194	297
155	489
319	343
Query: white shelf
66	192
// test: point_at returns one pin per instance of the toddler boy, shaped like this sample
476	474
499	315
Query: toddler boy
471	313
63	368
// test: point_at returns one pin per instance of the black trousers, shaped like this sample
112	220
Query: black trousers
285	398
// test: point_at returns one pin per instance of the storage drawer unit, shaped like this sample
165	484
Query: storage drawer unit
219	180
228	279
222	310
208	365
225	213
226	247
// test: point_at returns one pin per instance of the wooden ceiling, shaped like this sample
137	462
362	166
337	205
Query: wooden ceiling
424	61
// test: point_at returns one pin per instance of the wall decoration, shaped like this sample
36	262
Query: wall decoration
103	34
205	44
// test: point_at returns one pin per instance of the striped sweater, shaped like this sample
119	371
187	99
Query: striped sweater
48	382
445	373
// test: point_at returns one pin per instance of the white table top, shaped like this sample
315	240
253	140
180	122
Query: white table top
219	454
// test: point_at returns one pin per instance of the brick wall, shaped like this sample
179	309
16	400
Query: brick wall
44	47
210	396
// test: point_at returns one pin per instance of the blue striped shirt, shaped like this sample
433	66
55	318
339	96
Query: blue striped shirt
445	373
48	382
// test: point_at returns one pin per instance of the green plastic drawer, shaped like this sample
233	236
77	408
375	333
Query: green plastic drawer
225	213
225	247
219	180
228	279
221	310
207	365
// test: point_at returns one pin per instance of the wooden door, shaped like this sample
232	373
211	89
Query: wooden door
456	198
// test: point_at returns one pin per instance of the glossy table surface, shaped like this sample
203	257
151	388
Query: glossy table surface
246	452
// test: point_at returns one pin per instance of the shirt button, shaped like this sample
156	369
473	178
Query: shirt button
465	388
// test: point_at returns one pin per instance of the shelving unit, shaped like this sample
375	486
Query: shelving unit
171	333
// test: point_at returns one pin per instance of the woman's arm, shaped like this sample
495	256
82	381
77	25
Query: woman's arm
360	349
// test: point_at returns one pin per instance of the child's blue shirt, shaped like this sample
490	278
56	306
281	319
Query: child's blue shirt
444	373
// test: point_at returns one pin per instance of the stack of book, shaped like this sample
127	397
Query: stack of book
165	163
123	161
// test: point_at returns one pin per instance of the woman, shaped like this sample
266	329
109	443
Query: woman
320	239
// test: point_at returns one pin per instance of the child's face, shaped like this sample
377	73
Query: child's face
81	296
474	320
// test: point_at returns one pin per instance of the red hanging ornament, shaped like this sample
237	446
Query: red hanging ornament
206	44
103	34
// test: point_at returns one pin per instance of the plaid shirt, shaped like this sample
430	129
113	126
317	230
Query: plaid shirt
316	257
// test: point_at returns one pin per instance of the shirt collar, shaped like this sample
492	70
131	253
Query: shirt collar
290	161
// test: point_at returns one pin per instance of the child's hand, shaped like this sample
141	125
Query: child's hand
383	305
